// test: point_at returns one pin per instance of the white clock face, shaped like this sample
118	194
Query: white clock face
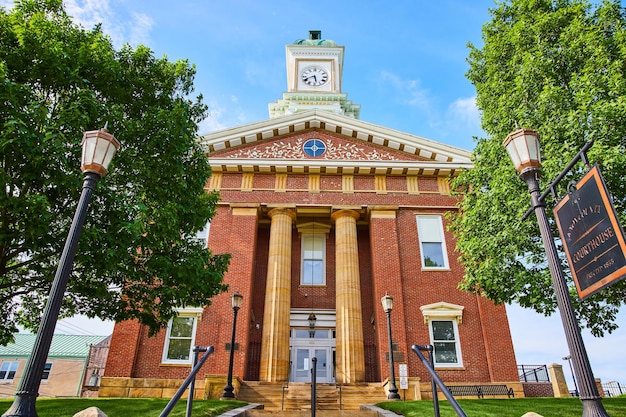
314	76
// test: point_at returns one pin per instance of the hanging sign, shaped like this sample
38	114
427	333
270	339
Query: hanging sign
591	234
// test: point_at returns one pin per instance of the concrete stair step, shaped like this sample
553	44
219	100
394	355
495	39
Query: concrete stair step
318	413
276	397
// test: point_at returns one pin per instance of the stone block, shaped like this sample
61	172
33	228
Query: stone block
145	393
90	412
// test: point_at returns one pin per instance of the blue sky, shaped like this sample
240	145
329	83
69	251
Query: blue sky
405	63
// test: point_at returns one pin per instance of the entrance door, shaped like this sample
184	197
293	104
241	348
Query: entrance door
303	364
307	344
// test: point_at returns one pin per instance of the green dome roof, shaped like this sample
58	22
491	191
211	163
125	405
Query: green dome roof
315	42
315	39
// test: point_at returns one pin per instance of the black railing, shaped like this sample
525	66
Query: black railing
192	377
434	377
533	373
313	386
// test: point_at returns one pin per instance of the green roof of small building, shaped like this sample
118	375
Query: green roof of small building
62	346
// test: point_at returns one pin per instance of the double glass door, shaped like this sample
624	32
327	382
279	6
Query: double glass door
303	351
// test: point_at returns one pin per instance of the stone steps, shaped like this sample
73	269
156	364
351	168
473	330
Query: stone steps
297	396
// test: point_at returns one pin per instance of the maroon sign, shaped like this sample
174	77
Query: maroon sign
592	237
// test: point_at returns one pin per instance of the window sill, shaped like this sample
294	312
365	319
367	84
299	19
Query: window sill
450	368
436	269
179	365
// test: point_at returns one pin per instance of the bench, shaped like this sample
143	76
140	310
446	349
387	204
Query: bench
480	391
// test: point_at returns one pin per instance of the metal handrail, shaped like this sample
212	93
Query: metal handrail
282	403
192	376
340	397
313	386
446	392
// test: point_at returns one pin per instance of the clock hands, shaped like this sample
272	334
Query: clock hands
314	76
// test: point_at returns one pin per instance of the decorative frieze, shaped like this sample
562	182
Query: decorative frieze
295	150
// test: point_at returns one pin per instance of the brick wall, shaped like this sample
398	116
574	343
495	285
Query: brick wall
389	261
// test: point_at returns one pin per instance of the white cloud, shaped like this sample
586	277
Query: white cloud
464	111
409	91
223	115
133	29
141	26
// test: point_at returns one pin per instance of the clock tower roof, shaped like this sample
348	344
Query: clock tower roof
315	39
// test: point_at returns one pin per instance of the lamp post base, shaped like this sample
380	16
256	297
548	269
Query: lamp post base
393	396
594	408
228	393
23	405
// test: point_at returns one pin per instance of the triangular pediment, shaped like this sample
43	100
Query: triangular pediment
327	146
442	309
352	146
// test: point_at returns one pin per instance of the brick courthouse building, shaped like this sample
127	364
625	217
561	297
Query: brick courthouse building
324	214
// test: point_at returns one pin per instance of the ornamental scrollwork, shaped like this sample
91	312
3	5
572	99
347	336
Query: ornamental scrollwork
294	150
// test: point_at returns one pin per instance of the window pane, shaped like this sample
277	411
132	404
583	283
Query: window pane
8	369
46	371
443	330
204	233
313	246
182	327
430	228
179	349
312	272
433	255
445	352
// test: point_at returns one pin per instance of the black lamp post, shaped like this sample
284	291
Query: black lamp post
387	301
523	148
99	146
236	299
568	358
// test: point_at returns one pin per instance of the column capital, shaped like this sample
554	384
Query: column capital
282	210
345	213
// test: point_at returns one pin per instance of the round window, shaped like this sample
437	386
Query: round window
314	148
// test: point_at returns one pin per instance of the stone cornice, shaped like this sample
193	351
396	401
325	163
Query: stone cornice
349	127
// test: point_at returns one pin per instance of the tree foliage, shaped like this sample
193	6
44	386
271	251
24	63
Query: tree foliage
138	256
556	66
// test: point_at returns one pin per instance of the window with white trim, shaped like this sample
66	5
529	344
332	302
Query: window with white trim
444	336
203	235
45	375
180	337
443	321
432	241
8	370
313	269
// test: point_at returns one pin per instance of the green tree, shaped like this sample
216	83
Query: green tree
138	256
556	66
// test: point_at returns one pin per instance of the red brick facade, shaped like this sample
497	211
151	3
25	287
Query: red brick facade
389	258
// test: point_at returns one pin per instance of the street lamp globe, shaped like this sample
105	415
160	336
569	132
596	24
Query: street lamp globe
236	300
523	149
99	146
387	302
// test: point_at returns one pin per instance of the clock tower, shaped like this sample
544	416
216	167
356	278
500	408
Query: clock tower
314	70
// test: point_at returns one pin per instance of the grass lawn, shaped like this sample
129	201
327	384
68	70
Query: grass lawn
515	407
151	407
126	407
